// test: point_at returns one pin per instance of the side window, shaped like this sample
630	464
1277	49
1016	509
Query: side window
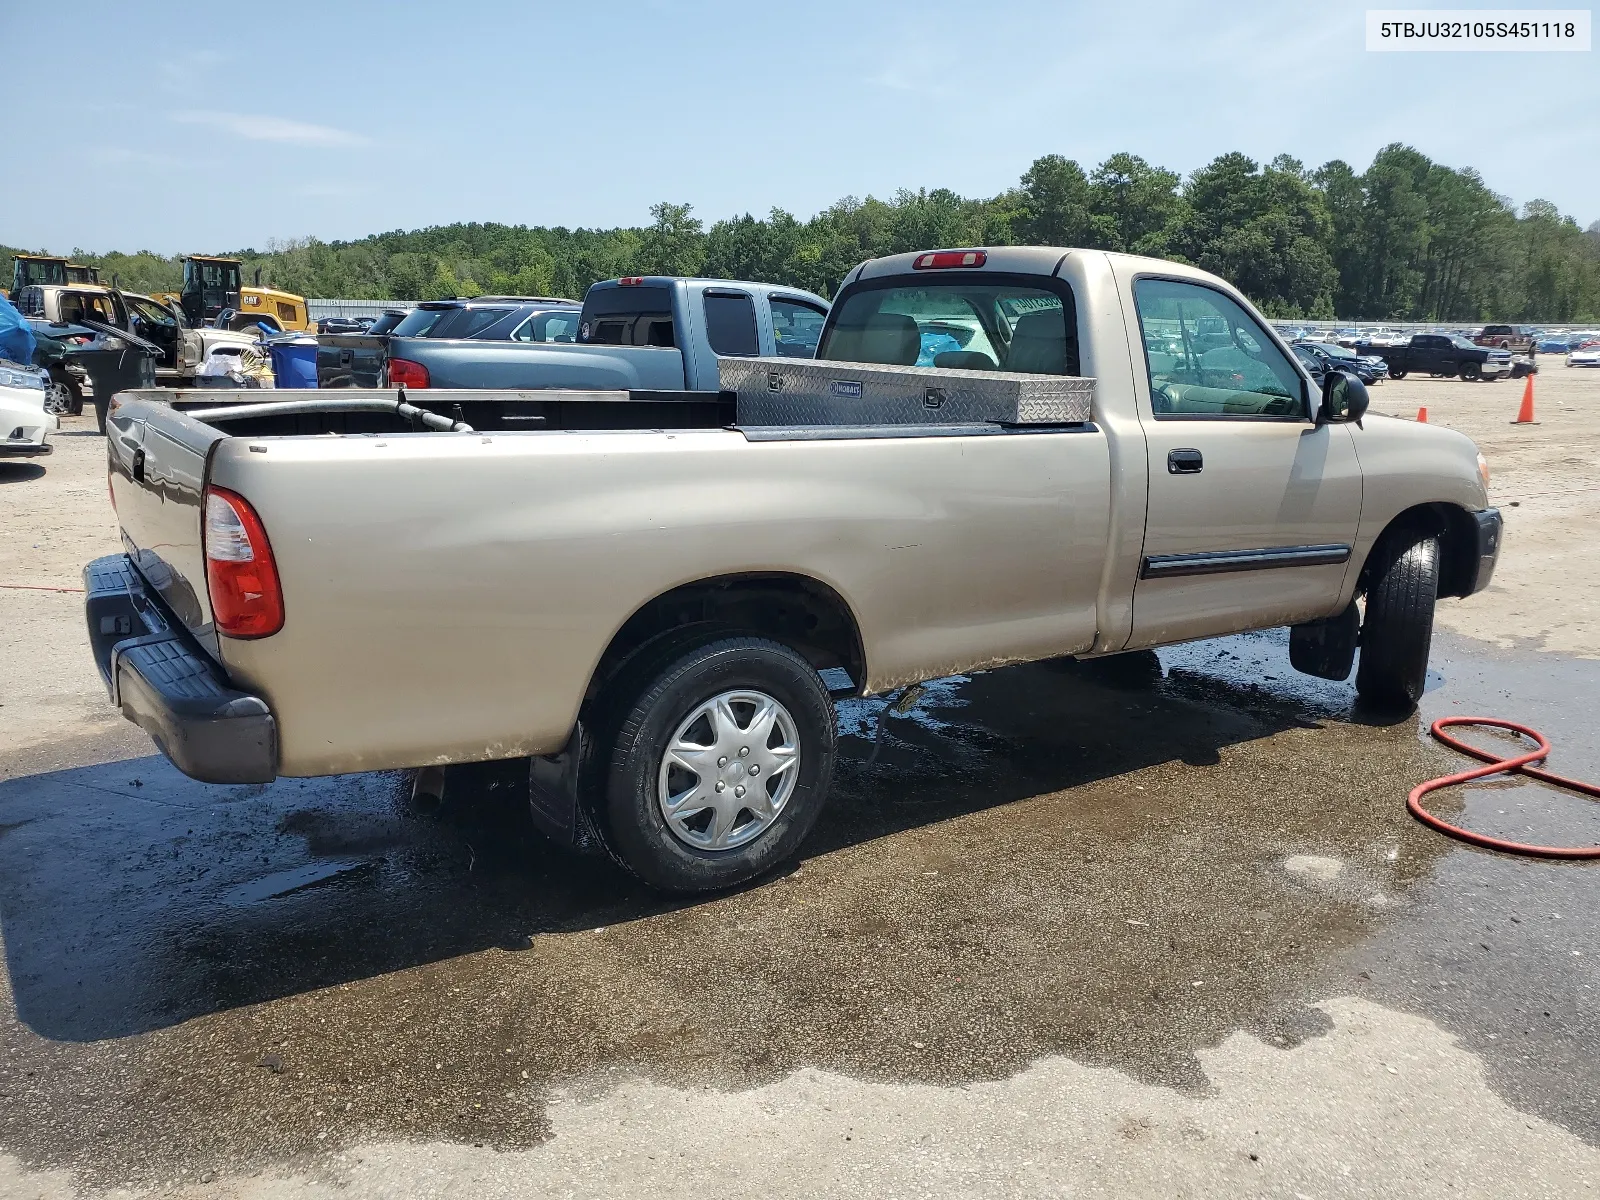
731	323
547	327
796	328
1208	357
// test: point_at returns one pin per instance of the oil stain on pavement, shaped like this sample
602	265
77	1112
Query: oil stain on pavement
1124	863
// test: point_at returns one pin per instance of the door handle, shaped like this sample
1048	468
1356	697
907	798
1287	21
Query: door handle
1185	462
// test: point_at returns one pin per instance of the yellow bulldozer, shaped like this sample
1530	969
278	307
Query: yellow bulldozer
212	287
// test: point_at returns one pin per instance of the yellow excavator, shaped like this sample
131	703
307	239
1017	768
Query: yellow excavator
211	287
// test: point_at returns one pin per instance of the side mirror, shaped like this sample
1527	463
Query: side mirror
1344	399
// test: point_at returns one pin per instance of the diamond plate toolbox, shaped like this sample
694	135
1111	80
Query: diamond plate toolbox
799	392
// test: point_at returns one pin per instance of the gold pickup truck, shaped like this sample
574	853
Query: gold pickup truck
638	593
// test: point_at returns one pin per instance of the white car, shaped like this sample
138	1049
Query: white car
1589	356
24	422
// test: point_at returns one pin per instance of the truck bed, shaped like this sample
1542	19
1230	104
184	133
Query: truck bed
449	594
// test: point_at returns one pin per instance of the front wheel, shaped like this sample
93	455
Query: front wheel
1393	374
1397	631
1470	371
719	766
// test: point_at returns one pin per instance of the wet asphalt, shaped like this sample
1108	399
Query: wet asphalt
1122	862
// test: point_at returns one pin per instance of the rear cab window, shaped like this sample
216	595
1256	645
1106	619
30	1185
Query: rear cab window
628	315
995	323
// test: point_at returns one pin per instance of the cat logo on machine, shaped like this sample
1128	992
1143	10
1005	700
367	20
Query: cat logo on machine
850	389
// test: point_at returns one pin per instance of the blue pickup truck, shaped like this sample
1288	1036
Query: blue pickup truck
643	333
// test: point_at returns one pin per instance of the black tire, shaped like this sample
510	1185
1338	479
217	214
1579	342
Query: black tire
1470	371
74	389
632	822
1397	631
1393	374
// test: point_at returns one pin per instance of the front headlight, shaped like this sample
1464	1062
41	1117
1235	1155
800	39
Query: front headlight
1483	470
23	377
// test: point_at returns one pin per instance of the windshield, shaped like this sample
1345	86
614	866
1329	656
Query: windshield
1462	343
386	323
968	324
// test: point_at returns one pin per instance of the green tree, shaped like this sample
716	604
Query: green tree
1136	206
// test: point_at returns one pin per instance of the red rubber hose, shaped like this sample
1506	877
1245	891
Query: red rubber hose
1517	763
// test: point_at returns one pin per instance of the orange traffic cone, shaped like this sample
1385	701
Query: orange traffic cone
1525	414
1422	414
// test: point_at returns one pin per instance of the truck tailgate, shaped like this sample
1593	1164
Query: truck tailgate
157	465
347	360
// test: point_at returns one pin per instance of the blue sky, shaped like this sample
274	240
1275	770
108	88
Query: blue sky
202	128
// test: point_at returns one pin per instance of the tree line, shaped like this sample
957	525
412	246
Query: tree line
1406	239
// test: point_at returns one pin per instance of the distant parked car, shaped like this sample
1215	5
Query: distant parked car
1312	362
1367	368
26	421
1588	356
494	319
341	325
1504	337
1553	343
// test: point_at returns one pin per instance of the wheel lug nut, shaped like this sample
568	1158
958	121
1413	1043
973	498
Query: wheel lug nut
738	791
722	762
721	786
743	750
755	770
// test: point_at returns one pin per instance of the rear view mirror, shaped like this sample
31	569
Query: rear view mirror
1344	399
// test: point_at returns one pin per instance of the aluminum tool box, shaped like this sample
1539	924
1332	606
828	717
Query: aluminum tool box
800	392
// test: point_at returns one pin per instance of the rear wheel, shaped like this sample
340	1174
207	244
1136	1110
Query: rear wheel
1397	631
719	765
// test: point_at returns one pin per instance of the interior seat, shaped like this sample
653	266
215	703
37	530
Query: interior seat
889	338
1040	345
965	360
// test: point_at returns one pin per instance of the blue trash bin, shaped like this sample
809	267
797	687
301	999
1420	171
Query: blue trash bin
294	362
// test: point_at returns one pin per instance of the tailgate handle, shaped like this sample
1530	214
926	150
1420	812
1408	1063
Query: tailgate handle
138	465
1185	462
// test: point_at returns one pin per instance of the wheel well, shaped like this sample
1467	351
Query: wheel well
802	613
1458	545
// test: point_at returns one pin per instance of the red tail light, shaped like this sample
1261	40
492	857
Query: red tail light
405	373
246	599
630	281
941	259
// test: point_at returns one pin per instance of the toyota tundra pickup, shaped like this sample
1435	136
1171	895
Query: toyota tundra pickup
635	596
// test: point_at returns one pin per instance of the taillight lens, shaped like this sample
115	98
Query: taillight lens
405	373
246	599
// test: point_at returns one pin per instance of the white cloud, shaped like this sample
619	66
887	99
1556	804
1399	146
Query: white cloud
256	128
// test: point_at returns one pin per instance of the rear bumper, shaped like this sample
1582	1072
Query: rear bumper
1490	529
165	685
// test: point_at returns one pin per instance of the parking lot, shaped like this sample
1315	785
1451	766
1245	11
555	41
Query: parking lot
1149	926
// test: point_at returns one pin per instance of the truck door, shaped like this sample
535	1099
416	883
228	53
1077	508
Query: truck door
1427	354
1252	506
